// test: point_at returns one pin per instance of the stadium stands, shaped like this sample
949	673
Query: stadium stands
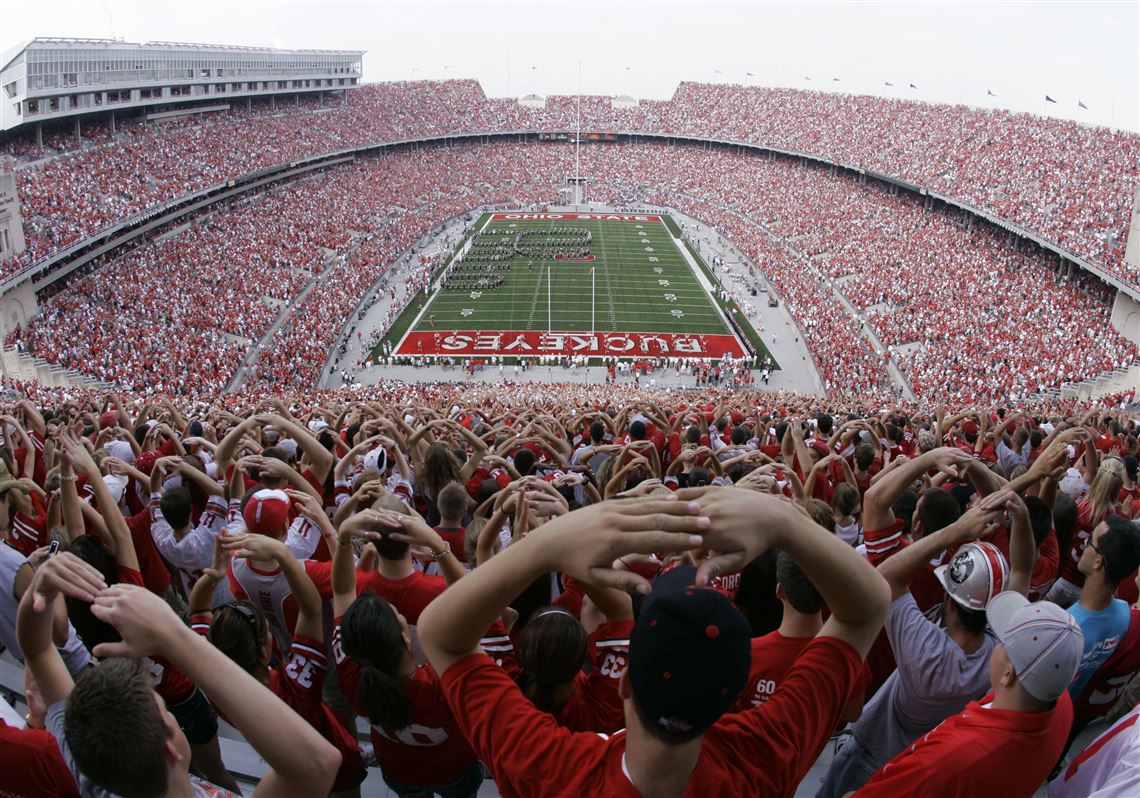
810	233
1070	184
979	323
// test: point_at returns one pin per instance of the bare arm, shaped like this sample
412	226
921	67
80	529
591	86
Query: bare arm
302	762
901	567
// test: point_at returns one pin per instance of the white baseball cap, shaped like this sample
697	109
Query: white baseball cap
1044	643
117	484
289	446
120	449
376	460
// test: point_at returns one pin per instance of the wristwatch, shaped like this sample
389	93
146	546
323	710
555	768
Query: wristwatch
446	552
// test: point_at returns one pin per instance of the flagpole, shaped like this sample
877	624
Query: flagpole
549	327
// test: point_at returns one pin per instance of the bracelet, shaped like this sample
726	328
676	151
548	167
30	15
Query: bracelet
437	556
72	478
343	545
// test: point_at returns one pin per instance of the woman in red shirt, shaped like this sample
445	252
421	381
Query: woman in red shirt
418	744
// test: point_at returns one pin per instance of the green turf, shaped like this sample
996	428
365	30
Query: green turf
624	294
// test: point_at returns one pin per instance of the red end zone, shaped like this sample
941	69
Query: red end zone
465	343
572	217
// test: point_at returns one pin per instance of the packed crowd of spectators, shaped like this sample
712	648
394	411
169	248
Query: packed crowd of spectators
568	589
1069	183
916	276
151	320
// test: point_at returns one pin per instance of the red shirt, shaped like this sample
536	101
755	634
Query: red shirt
431	750
156	576
456	537
31	765
1045	569
882	543
980	751
595	704
772	657
765	751
299	685
29	532
501	477
410	595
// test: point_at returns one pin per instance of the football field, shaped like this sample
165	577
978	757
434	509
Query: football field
529	284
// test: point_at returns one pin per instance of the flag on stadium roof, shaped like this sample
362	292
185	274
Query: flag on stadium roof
913	86
990	93
1049	99
835	80
749	74
806	77
1082	105
887	83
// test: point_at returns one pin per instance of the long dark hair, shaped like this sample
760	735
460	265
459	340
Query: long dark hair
90	629
371	634
551	651
238	630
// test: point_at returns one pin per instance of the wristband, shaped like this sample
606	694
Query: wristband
72	478
446	552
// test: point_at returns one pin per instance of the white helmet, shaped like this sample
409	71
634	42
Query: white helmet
977	573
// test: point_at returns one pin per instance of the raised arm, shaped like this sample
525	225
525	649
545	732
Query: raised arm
320	458
1022	546
877	513
744	523
583	544
116	525
262	547
62	574
202	594
224	456
302	763
904	565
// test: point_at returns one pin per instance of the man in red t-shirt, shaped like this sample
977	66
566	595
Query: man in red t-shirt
774	654
1005	743
452	503
689	653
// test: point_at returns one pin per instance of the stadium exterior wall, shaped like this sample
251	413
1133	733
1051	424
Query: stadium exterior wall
1126	317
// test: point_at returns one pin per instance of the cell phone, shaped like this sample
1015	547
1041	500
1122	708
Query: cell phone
53	548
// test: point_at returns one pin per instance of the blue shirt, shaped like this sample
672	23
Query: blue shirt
1103	631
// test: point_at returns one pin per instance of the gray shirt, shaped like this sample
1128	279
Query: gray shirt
74	655
934	679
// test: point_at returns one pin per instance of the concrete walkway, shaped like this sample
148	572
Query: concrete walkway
358	332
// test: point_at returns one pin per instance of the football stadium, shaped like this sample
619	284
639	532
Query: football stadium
463	400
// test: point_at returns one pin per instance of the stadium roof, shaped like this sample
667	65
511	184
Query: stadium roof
62	41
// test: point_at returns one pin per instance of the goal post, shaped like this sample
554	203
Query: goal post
576	190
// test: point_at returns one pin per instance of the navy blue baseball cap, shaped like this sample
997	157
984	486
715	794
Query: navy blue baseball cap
689	654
